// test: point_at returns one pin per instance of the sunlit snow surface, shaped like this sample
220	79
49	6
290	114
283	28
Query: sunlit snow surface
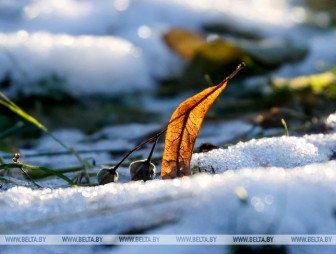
284	152
289	185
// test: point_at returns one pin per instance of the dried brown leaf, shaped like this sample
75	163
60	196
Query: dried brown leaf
184	42
183	129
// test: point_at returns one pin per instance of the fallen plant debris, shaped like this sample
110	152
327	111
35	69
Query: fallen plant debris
144	169
107	175
184	126
181	133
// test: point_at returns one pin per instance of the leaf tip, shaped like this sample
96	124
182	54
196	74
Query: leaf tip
240	66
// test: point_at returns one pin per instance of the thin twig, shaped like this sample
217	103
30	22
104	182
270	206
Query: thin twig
156	136
28	176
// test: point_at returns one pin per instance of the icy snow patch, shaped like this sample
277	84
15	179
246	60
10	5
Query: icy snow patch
129	131
136	55
59	16
75	17
321	57
97	150
278	201
98	147
289	183
284	152
219	133
87	64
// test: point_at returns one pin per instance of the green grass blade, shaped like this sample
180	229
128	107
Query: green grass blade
285	127
38	174
16	109
47	170
5	101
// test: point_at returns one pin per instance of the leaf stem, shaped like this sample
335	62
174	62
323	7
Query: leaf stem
28	176
149	159
156	136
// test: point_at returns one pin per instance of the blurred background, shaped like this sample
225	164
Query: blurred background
90	64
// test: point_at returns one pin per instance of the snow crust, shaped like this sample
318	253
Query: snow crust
286	152
290	184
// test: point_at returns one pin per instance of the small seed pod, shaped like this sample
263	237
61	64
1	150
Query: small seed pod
16	157
142	170
107	175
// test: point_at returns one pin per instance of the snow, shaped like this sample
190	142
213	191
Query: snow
321	57
284	152
129	131
98	147
221	133
108	46
331	121
75	17
282	185
29	58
